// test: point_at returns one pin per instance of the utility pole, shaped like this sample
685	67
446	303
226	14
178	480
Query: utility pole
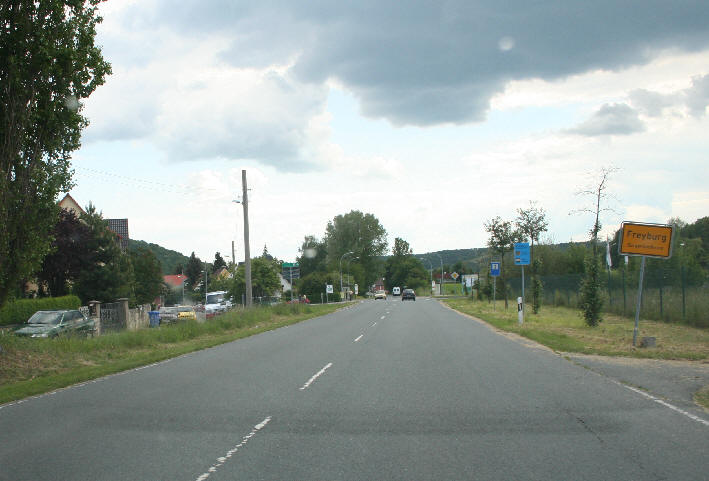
247	250
233	255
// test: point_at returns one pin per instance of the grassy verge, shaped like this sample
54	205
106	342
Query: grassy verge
34	366
563	329
701	397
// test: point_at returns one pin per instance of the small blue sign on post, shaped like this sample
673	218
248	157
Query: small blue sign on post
521	253
495	269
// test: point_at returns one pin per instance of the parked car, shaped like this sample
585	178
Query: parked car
186	313
54	323
380	295
408	294
168	314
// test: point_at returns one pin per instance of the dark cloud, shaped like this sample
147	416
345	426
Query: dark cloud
424	63
611	119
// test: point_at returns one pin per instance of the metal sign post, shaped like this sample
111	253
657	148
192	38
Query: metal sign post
494	273
521	251
328	290
645	240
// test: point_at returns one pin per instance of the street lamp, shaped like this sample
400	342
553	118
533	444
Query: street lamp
343	255
348	275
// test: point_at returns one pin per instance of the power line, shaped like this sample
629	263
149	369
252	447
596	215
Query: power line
147	184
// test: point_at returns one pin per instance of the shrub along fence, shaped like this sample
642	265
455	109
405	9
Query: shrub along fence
17	312
667	295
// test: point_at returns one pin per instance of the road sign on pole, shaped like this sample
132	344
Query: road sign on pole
521	252
649	240
495	269
645	240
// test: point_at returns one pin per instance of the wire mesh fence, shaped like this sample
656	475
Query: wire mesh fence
669	293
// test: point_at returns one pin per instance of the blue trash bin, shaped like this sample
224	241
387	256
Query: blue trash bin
154	318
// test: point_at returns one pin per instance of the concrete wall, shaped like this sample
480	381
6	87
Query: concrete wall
138	318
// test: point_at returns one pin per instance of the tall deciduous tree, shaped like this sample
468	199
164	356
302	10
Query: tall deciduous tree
361	234
313	256
48	63
402	269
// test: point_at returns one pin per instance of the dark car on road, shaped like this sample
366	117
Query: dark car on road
408	294
54	323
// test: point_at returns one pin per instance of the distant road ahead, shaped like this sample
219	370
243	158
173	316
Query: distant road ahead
380	390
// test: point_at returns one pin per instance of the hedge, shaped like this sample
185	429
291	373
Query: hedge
17	312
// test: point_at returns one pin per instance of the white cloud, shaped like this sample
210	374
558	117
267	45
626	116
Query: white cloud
690	206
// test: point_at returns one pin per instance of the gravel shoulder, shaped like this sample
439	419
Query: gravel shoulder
674	381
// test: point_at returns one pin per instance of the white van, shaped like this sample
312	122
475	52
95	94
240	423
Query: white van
396	291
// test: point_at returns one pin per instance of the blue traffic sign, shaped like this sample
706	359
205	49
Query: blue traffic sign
495	269
521	253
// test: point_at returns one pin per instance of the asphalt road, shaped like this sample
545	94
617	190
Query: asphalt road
380	390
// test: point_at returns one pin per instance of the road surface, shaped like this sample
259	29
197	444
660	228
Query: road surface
380	390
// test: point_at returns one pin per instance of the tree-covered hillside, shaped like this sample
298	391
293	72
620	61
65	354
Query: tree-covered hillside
169	259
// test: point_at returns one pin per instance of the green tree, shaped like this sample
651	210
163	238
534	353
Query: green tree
402	269
63	264
313	286
48	63
107	274
531	222
148	275
264	279
218	262
502	240
193	271
313	256
361	234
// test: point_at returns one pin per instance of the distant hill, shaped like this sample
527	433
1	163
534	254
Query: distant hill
471	258
169	259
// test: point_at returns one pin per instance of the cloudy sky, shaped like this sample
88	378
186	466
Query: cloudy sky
433	116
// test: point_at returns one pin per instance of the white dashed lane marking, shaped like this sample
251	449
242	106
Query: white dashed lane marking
317	375
360	337
223	459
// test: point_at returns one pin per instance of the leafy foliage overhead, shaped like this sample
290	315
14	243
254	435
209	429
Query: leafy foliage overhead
48	63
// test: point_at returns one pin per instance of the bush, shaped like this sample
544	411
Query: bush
17	312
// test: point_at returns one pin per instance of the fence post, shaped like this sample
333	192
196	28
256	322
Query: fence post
684	311
95	313
123	312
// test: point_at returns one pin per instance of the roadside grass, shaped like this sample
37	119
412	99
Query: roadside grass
34	366
701	397
563	329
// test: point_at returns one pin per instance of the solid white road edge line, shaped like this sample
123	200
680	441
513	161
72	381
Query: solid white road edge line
360	337
666	404
221	460
317	375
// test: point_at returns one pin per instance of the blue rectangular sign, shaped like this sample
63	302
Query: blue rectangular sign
521	253
495	269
